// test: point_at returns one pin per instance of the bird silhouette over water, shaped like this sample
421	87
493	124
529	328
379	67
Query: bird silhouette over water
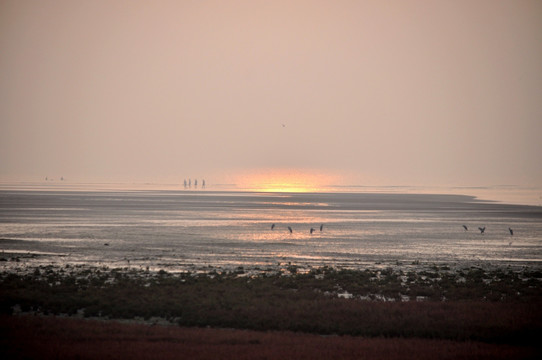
511	231
321	227
272	226
482	229
312	230
290	229
465	227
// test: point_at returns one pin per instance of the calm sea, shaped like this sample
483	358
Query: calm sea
199	230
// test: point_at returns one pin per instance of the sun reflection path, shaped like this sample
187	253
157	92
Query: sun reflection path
286	180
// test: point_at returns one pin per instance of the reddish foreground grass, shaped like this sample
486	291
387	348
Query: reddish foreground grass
36	337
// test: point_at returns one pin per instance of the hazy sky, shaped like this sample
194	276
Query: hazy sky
395	92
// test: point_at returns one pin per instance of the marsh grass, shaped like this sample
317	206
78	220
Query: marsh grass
464	305
35	337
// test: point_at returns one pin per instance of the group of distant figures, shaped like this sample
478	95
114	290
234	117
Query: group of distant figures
188	184
291	230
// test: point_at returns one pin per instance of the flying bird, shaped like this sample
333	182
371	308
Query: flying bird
312	230
290	229
511	231
272	226
482	229
465	227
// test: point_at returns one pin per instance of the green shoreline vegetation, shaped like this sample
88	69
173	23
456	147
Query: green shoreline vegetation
471	304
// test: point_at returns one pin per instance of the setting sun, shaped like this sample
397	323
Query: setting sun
285	180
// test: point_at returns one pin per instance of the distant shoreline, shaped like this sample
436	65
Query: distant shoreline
505	194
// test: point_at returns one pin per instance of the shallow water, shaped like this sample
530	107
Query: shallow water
183	230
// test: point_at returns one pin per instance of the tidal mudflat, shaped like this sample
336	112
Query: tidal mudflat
178	231
386	269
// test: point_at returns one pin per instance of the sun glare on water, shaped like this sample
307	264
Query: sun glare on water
285	181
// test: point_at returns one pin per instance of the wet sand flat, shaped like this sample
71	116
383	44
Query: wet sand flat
185	231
